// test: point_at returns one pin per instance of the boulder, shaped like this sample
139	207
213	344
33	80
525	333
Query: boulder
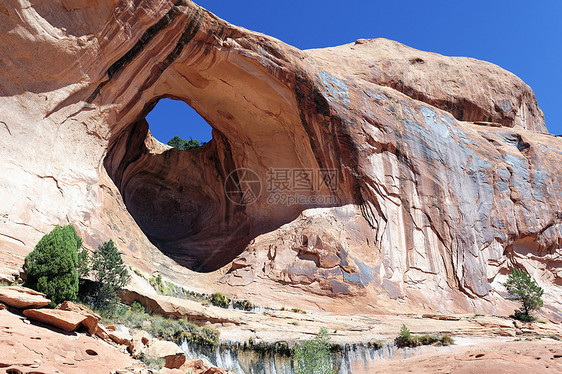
103	333
169	351
140	341
198	366
22	297
92	319
63	319
202	366
8	275
120	335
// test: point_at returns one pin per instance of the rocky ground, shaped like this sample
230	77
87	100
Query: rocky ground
271	325
483	343
70	339
36	347
514	357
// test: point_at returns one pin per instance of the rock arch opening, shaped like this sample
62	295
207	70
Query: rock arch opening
177	197
264	118
175	123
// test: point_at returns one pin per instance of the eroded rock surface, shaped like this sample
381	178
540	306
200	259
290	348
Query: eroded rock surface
64	319
29	348
22	297
433	175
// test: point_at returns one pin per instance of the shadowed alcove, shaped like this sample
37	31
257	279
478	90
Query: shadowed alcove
177	197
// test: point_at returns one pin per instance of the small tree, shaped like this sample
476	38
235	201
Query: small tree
405	339
51	266
523	288
191	144
110	273
182	144
176	142
313	356
82	264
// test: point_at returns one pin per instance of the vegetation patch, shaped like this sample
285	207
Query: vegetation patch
165	328
152	362
220	300
294	310
313	356
182	144
406	339
243	305
138	272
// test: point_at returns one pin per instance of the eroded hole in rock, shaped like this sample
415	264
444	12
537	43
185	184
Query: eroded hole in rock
91	352
173	121
177	197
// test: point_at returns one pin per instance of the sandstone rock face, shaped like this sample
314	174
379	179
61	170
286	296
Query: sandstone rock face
22	297
372	173
169	351
63	319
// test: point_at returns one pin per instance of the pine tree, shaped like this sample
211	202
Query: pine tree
523	288
51	266
109	271
182	144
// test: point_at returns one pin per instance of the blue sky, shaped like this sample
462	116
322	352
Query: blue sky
520	36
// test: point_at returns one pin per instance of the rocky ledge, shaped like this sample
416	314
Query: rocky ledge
70	339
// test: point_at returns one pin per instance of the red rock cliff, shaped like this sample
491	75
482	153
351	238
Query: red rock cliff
433	175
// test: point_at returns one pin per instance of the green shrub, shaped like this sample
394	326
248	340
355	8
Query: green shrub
313	356
51	266
137	307
163	287
82	264
204	336
243	305
297	310
110	272
406	339
138	272
151	362
447	340
220	300
524	289
521	316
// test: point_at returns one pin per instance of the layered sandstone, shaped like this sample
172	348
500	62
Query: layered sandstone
64	319
442	175
22	297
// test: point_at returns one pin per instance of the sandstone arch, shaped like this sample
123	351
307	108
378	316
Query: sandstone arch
441	168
